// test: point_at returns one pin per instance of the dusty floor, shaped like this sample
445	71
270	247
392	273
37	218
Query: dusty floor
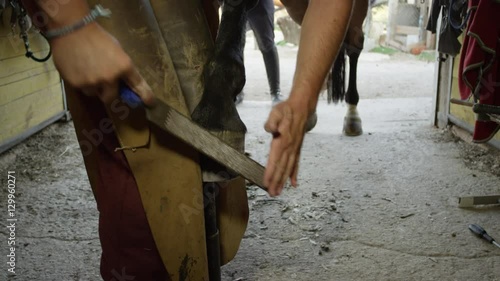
382	206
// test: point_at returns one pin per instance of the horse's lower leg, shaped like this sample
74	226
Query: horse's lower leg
354	45
352	121
224	78
224	74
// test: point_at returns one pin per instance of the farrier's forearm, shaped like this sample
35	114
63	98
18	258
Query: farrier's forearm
56	14
323	30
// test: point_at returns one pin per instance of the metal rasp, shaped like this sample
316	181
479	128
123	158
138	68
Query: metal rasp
175	123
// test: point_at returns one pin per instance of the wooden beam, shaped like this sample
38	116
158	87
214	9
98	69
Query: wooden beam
395	44
471	201
407	30
461	102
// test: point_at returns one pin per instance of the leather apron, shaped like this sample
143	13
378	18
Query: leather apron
169	42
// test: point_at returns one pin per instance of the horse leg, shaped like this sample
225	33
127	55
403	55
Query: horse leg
353	46
352	121
224	74
224	78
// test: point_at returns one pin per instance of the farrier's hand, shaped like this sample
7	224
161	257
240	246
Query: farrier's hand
92	61
286	123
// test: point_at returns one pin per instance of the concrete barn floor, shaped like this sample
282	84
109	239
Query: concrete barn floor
381	206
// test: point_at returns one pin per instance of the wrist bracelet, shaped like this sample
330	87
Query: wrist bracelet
97	11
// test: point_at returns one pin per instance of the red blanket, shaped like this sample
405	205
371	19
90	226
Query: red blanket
480	62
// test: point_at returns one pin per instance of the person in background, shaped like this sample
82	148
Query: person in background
261	21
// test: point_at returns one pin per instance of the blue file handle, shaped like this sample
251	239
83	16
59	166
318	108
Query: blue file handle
129	97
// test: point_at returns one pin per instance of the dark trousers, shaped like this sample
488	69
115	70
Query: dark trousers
261	20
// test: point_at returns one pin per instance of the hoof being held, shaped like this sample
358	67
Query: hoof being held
239	98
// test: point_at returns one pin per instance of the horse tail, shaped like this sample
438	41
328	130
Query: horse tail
336	80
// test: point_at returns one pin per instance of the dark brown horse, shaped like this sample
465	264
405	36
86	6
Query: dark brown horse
225	73
352	47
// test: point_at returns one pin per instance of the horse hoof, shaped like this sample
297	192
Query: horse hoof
352	126
311	122
239	98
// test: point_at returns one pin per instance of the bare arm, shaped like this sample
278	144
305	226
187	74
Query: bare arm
89	59
323	30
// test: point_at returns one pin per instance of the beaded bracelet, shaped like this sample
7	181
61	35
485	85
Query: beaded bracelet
97	11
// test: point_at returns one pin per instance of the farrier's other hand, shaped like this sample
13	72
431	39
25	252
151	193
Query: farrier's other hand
92	61
286	123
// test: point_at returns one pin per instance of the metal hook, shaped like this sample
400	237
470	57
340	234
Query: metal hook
20	16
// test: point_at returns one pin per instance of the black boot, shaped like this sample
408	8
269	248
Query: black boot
271	60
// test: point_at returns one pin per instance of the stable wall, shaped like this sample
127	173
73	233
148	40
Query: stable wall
31	95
